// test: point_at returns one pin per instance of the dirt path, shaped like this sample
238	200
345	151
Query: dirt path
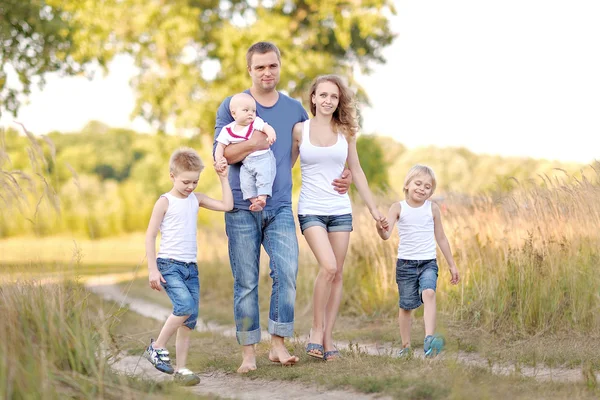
232	386
107	288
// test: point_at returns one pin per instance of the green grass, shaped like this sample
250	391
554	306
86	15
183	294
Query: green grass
50	341
566	349
411	379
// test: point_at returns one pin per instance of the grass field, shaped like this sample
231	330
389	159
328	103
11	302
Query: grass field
529	294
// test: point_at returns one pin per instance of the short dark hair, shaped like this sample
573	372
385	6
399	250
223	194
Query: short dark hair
262	48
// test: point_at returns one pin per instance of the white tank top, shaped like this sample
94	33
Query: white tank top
415	227
319	167
178	229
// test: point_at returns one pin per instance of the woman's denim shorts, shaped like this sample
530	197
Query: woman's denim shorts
331	223
414	276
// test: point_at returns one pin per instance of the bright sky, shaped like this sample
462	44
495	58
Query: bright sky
511	77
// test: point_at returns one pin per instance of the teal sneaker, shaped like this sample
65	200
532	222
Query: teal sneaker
433	345
405	353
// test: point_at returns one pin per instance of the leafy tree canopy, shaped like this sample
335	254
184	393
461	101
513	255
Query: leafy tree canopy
190	54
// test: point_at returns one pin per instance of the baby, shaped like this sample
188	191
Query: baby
258	168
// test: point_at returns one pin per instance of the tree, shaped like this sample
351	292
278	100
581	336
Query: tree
372	161
37	37
191	53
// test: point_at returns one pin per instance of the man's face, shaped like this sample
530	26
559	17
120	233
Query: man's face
264	71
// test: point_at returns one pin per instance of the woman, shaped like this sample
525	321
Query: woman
325	144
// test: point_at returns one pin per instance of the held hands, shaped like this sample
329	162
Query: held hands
382	223
342	184
221	167
155	278
455	278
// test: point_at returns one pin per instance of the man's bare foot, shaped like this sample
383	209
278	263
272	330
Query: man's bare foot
281	355
257	204
248	360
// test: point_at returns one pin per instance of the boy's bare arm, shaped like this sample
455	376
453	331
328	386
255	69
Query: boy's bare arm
393	214
158	213
218	205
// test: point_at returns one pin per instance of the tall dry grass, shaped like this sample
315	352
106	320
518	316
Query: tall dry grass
53	345
530	261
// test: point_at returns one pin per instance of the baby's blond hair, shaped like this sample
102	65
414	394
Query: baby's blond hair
415	171
185	159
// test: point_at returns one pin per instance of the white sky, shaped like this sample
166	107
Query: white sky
510	77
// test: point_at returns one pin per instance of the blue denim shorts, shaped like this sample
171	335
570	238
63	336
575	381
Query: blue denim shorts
414	276
182	287
331	223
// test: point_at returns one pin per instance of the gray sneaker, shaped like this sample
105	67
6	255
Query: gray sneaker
159	358
185	377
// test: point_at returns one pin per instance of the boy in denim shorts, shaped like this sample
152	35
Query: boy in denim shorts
420	227
174	268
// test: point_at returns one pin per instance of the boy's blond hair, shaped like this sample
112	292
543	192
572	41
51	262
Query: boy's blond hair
185	159
415	171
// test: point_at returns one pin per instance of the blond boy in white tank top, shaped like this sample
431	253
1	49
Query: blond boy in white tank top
174	269
419	225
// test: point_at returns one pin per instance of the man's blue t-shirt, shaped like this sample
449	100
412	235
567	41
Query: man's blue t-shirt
282	116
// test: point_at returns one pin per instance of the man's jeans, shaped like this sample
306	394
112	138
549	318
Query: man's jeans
275	230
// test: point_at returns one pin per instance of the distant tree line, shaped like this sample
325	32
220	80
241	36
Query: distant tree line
104	181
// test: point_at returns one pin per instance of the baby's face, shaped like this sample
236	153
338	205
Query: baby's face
244	112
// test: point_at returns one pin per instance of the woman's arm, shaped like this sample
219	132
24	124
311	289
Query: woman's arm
296	141
360	179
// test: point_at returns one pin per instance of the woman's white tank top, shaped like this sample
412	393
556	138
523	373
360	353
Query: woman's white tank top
178	229
319	167
415	227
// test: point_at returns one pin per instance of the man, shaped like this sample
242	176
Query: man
273	227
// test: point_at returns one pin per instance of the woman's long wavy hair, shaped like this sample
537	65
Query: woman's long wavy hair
345	117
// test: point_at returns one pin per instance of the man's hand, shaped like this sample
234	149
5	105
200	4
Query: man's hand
259	140
155	278
342	184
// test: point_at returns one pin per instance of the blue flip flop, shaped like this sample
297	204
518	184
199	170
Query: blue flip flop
315	346
331	355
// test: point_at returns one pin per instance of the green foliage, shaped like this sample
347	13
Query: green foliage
107	180
191	53
37	37
372	161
